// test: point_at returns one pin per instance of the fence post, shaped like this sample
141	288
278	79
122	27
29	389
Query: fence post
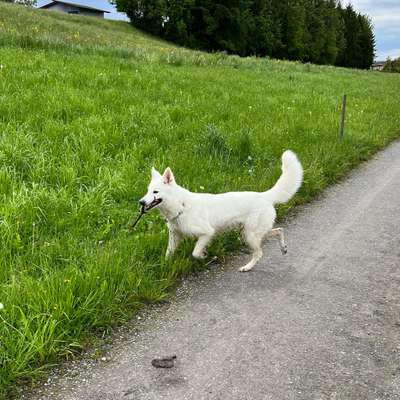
343	118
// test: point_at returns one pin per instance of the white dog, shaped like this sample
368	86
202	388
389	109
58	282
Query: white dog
202	215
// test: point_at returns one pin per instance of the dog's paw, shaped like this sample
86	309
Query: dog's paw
169	253
246	268
200	256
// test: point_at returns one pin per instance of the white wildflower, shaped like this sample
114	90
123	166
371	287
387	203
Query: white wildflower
1	306
202	187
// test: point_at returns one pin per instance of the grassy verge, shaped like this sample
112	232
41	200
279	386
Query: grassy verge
82	120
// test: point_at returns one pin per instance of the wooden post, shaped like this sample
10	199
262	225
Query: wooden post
342	121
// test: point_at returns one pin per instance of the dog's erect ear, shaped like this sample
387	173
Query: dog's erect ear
154	173
168	176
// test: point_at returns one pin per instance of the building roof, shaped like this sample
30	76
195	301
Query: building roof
70	3
378	63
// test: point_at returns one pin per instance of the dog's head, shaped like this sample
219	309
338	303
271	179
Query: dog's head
159	189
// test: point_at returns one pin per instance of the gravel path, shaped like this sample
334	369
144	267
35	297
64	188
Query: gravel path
322	322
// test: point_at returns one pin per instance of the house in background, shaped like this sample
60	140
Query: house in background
378	65
74	8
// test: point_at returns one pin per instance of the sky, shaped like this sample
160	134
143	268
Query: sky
385	16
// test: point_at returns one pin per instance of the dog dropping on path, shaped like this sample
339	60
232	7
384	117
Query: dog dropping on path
203	215
165	362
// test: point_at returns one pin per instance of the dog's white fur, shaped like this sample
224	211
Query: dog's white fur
202	215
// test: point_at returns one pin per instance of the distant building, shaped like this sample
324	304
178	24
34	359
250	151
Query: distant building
378	65
74	8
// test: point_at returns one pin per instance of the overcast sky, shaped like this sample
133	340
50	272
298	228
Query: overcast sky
385	15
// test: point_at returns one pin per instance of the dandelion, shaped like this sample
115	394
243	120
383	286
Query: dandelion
1	306
1	66
67	280
249	158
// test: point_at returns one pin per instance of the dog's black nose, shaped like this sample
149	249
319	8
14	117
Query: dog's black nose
142	202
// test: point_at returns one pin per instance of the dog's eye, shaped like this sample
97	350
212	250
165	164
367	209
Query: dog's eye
155	191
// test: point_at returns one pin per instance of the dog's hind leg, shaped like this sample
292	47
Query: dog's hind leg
254	241
173	242
200	247
279	233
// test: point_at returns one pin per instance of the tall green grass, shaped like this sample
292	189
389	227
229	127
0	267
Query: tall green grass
82	120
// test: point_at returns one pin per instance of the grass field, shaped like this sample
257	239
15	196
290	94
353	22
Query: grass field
87	106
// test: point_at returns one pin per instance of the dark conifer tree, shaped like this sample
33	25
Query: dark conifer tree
315	30
340	37
260	28
318	31
295	35
366	40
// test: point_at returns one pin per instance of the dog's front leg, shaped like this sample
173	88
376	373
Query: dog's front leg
173	241
200	247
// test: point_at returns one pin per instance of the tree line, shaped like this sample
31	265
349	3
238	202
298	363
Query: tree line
316	31
392	65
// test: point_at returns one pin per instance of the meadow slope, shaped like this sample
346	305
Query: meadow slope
87	106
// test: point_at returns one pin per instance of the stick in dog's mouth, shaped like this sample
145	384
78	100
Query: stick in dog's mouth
153	204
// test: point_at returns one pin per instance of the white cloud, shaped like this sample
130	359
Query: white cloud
394	53
385	16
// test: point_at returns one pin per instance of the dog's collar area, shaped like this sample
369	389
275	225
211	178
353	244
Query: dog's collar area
179	213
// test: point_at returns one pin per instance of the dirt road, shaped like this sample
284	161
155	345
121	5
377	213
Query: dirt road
322	322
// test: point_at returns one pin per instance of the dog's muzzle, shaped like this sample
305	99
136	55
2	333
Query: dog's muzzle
148	207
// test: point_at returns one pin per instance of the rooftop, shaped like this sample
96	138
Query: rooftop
73	4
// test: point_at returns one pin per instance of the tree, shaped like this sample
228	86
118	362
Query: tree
260	28
148	15
318	31
359	51
295	34
175	26
392	65
366	40
333	35
278	17
340	37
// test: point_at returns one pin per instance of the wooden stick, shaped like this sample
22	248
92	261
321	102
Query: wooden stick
342	121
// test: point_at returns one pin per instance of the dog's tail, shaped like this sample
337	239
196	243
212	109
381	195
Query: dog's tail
290	180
